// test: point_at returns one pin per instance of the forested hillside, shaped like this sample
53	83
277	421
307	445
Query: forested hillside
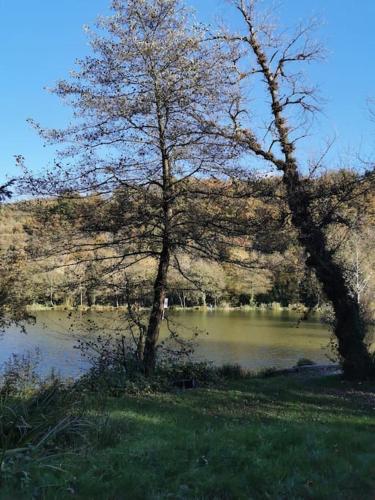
72	251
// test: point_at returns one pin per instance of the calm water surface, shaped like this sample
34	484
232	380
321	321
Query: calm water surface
254	339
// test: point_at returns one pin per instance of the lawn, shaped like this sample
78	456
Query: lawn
283	437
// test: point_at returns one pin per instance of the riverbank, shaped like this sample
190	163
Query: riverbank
237	438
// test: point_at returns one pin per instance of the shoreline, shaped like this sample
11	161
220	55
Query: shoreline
275	306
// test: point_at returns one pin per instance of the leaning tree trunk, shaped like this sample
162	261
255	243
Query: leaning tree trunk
349	328
156	315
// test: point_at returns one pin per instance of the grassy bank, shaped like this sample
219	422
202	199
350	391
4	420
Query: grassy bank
284	437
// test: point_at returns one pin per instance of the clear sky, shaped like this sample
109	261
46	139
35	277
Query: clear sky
40	39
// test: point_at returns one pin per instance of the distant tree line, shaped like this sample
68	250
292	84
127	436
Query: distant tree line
277	273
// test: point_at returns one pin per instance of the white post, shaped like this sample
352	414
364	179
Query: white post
165	306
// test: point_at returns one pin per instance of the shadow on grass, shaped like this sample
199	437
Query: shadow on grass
256	398
252	439
255	438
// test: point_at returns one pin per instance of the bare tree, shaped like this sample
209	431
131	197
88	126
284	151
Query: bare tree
271	59
137	141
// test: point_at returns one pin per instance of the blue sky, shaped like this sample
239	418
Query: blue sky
40	39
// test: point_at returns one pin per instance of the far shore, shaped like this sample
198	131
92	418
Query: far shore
274	306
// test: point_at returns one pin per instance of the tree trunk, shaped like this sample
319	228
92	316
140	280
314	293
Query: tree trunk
160	284
350	329
153	330
90	297
51	296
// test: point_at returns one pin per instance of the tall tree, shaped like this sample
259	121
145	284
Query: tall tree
137	134
272	57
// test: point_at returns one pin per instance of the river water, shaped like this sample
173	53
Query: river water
253	339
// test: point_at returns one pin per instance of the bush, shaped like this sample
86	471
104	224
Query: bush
168	376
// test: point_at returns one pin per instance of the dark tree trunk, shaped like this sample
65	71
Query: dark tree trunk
156	315
349	329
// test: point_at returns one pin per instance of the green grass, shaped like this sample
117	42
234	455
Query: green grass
277	438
